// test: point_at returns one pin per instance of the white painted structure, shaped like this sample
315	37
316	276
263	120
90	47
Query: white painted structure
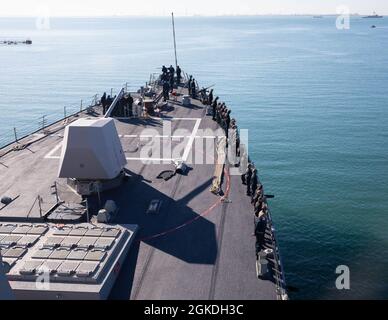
91	150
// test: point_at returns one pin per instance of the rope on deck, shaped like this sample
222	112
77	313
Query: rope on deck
220	163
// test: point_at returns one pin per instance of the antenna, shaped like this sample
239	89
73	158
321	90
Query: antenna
173	32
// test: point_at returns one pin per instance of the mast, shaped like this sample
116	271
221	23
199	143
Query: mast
173	32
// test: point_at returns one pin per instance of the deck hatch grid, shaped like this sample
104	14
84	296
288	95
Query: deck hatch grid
104	243
62	231
77	254
53	242
30	267
86	242
78	231
94	232
22	229
95	255
67	268
38	230
10	240
87	269
50	266
28	241
70	242
111	233
15	252
42	253
7	228
60	253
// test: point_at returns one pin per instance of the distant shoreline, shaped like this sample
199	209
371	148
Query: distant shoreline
198	16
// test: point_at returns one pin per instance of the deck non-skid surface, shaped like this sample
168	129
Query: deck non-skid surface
197	246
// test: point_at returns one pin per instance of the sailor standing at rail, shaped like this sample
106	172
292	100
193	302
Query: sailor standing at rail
193	89
166	89
222	118
258	193
189	84
178	75
171	70
130	104
164	76
227	121
235	139
248	175
214	107
171	74
260	205
218	110
222	115
164	69
260	227
253	182
109	101
210	98
103	102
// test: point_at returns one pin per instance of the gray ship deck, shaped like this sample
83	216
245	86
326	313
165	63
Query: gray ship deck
196	247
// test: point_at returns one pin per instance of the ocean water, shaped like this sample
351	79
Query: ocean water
314	98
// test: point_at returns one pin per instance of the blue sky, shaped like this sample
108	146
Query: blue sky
184	7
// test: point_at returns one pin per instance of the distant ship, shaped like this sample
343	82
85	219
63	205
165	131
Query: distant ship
373	16
318	17
15	42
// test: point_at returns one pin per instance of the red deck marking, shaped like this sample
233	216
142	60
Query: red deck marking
203	214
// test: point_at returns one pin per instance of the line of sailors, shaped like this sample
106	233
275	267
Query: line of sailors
221	114
258	199
106	102
169	81
123	107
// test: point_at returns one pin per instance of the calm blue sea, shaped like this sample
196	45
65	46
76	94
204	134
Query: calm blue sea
314	98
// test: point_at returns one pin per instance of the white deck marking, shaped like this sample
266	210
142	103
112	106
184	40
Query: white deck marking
187	148
50	154
185	153
191	140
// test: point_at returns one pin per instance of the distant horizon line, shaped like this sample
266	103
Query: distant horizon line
191	15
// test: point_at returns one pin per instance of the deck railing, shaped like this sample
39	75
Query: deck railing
279	271
35	125
40	124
